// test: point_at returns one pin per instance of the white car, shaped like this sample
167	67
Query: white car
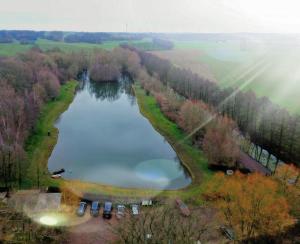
146	202
120	211
135	209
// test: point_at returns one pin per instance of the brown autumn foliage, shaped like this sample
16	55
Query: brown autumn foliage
219	144
214	132
249	204
288	178
129	61
27	81
169	103
193	116
49	82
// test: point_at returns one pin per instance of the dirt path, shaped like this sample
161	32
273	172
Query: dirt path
252	165
95	230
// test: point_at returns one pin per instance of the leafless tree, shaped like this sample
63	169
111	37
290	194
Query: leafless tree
162	225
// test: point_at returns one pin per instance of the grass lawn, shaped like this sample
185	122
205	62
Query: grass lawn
40	145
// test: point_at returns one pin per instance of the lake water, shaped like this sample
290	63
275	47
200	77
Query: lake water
103	138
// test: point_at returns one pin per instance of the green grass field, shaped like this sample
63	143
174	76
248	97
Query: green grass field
11	49
271	71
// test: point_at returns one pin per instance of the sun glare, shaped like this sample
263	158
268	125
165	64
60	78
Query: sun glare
48	220
273	15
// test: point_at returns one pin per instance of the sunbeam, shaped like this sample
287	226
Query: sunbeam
261	69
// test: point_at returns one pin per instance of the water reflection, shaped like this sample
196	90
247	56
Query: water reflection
103	138
110	91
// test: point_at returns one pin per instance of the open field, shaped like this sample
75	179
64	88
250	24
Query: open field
188	59
11	49
270	71
39	148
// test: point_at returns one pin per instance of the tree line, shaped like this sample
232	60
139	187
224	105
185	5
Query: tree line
29	37
263	122
216	134
28	81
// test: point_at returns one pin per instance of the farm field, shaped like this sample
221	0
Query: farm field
270	71
11	49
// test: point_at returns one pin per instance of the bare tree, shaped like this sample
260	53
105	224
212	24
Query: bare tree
162	225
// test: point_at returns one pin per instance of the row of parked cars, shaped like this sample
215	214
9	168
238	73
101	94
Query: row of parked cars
107	209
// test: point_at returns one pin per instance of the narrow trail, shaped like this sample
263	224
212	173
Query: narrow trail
252	165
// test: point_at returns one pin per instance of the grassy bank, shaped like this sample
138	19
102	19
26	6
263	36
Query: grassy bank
191	157
39	145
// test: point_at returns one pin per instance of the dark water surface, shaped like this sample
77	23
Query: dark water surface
103	138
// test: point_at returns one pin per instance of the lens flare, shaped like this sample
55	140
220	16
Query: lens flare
48	220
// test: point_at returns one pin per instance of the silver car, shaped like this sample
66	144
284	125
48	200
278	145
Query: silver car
120	211
135	209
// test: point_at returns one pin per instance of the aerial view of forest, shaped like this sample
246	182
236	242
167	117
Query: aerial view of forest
147	122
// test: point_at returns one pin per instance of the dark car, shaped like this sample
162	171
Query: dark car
228	232
81	209
95	208
107	210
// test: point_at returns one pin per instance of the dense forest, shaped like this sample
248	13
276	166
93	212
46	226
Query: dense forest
263	122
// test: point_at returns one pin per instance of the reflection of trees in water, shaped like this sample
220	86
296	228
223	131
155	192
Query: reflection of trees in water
182	168
105	90
110	90
84	79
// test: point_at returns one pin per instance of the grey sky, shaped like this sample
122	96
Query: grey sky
152	15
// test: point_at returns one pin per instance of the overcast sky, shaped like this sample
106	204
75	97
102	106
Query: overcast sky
152	15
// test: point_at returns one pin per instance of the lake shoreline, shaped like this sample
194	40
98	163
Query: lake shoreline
40	146
191	158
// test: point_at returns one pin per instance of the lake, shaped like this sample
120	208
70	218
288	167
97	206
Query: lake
103	138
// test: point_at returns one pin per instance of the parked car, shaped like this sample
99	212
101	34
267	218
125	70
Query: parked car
146	202
135	209
81	209
107	210
228	232
183	208
120	211
95	208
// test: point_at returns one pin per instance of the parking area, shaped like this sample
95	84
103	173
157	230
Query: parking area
90	229
94	229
